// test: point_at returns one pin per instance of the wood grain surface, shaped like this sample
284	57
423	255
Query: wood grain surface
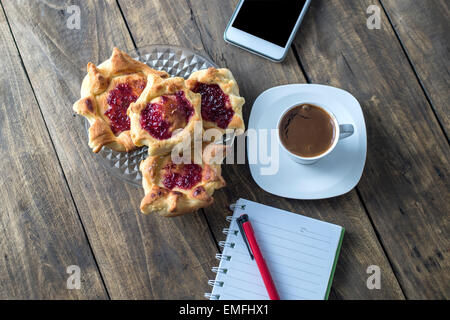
41	234
139	256
61	207
405	182
423	29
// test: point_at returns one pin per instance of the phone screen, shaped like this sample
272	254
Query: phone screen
271	20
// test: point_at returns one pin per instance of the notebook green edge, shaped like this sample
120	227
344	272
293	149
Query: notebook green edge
335	264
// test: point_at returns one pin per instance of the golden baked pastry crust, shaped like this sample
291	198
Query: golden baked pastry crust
225	80
100	80
156	88
174	202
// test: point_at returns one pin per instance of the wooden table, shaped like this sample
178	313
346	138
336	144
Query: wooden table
60	207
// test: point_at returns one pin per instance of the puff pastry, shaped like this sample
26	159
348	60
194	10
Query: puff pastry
165	114
106	93
175	189
221	103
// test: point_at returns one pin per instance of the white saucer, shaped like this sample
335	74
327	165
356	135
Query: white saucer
334	175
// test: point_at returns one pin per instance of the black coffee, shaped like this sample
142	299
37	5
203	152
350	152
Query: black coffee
307	131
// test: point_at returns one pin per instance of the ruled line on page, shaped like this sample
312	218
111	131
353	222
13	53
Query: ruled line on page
245	281
294	241
298	251
277	280
264	288
252	283
245	254
258	294
296	269
283	274
229	294
318	234
290	231
266	252
291	258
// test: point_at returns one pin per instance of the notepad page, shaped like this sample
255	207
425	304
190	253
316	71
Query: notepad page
299	252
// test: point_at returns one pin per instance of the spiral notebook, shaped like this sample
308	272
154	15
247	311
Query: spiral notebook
301	254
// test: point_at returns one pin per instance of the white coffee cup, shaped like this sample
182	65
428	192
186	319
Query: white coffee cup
342	131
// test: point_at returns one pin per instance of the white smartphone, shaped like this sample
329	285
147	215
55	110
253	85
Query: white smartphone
266	27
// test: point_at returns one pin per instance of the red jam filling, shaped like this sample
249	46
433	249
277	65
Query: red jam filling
183	176
215	104
171	112
119	100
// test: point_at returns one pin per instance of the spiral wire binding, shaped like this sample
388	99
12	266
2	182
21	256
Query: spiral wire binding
224	244
233	206
213	283
211	296
217	270
228	231
220	256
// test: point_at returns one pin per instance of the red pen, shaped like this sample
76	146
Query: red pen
249	238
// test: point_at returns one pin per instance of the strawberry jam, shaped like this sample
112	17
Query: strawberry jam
119	100
171	112
215	104
183	176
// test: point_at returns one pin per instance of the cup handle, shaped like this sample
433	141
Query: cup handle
346	130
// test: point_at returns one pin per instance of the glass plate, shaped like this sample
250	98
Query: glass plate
176	61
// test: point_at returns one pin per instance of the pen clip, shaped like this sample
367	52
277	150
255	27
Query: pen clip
240	221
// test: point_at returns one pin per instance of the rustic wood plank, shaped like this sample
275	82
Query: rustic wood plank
41	234
423	28
139	256
254	75
405	183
